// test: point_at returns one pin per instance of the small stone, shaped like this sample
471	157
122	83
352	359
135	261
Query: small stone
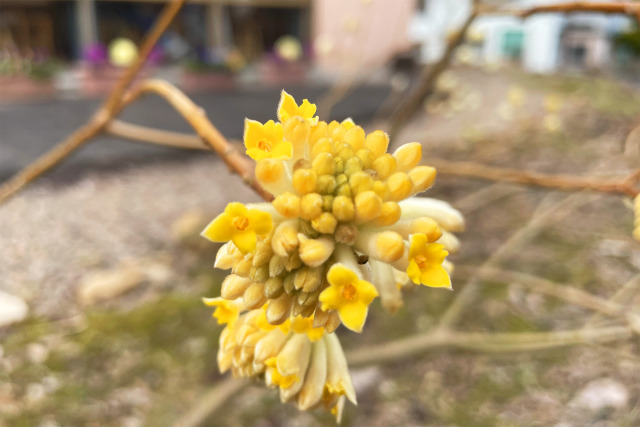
13	309
37	353
600	394
106	284
35	393
190	224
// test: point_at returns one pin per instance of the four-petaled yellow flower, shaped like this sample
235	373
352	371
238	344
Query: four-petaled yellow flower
349	295
226	311
425	262
266	141
288	108
240	225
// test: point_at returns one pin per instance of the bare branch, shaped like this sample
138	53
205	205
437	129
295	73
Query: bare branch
559	182
154	136
109	109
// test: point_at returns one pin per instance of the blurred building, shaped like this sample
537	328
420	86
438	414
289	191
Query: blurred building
542	43
66	28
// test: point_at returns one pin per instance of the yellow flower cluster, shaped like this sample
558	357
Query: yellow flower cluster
343	229
305	364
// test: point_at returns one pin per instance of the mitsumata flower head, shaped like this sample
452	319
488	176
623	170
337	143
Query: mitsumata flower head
343	229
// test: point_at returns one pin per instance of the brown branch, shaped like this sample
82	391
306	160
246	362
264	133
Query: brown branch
546	287
624	7
397	350
558	182
197	118
96	124
154	136
428	79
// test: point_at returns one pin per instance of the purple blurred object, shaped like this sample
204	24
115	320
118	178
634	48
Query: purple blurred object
95	54
156	56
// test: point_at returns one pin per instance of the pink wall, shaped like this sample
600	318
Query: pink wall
350	35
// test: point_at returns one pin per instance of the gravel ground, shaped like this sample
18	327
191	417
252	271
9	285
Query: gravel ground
52	234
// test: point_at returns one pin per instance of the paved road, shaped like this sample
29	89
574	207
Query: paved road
26	131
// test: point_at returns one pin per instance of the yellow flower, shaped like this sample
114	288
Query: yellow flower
289	108
266	141
349	295
304	325
226	311
239	224
425	262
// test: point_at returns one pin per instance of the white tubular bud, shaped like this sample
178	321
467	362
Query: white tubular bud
386	246
272	175
285	238
443	213
451	243
338	377
383	278
294	359
269	346
311	391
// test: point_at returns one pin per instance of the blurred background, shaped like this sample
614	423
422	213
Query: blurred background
102	267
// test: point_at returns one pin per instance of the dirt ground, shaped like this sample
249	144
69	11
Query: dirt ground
147	356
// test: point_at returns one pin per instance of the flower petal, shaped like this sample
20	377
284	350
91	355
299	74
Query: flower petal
259	221
245	241
436	277
414	273
220	229
354	315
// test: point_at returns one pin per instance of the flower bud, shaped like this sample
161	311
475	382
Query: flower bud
386	246
323	164
287	205
360	182
422	178
310	206
234	286
304	181
285	238
384	166
408	155
325	223
400	186
273	287
314	252
278	309
254	297
343	208
389	214
355	138
377	142
368	205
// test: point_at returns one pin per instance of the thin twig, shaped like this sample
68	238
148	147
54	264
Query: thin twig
491	342
623	7
559	182
623	296
537	284
107	111
428	79
145	134
197	118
